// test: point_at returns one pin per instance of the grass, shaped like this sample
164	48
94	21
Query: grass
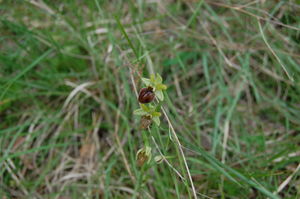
68	72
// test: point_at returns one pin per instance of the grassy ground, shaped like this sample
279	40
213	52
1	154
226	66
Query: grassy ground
67	128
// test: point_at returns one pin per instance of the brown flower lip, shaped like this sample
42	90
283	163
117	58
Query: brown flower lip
141	159
146	95
145	122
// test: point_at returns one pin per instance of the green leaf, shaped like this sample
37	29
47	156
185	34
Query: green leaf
156	120
146	81
5	104
159	94
139	112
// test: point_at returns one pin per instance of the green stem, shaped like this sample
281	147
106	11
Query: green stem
145	138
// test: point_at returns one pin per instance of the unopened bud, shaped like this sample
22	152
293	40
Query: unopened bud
143	156
158	159
145	122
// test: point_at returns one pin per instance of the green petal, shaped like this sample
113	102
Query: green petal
156	120
156	114
146	81
158	79
161	87
152	78
139	112
148	150
145	108
159	94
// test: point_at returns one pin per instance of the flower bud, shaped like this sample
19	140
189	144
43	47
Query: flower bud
145	122
143	156
146	95
158	159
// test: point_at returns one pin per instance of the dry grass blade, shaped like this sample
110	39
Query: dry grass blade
287	180
120	148
78	88
164	158
181	151
225	139
239	9
275	55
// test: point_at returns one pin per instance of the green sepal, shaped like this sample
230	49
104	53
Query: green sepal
158	79
161	86
146	108
156	114
146	81
159	94
156	120
139	112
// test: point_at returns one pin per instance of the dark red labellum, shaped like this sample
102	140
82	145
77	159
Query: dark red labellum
146	95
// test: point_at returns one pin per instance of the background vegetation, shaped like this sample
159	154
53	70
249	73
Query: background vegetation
67	128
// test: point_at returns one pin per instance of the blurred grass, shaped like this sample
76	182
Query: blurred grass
223	80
